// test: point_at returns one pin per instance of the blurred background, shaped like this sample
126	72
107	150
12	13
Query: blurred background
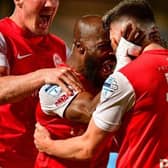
70	10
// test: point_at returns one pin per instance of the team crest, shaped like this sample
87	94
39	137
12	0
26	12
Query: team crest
57	59
53	90
109	87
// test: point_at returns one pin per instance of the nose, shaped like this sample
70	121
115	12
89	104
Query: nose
51	3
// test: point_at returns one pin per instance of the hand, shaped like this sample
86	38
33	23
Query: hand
64	77
41	138
133	34
129	46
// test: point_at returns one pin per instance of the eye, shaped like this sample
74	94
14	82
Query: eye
77	44
80	47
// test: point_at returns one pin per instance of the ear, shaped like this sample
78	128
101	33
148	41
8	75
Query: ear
18	3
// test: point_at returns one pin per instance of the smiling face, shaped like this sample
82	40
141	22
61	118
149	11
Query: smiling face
97	60
35	16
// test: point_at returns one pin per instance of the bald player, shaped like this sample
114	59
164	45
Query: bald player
67	115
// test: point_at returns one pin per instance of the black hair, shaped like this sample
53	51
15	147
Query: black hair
138	9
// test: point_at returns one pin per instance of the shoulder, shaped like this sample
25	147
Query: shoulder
57	39
3	20
4	25
116	85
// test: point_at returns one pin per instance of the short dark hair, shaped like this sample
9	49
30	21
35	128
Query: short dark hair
138	9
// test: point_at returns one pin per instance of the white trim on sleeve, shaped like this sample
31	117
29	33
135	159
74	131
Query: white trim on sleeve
117	97
3	51
54	100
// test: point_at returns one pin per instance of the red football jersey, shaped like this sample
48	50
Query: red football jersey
144	128
61	128
25	53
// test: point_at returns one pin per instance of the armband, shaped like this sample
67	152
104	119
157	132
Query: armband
54	100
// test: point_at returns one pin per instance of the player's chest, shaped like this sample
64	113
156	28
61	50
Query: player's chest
28	56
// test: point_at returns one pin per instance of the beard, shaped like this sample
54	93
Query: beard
91	72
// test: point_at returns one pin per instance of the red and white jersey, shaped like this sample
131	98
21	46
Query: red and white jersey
62	128
23	53
136	99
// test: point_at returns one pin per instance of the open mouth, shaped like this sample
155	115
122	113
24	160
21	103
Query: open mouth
44	21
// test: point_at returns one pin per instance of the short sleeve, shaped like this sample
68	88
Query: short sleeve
117	98
3	51
54	100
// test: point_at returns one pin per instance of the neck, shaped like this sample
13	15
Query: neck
153	46
17	18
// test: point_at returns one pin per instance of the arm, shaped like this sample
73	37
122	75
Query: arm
129	46
114	103
77	107
82	107
14	88
80	147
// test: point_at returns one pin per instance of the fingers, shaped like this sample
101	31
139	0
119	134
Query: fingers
139	37
41	134
71	78
38	126
126	31
133	34
41	129
65	77
36	135
68	80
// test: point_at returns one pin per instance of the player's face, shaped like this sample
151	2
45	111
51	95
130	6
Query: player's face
100	63
38	15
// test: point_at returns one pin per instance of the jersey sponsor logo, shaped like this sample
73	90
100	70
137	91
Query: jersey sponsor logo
61	99
23	56
163	163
